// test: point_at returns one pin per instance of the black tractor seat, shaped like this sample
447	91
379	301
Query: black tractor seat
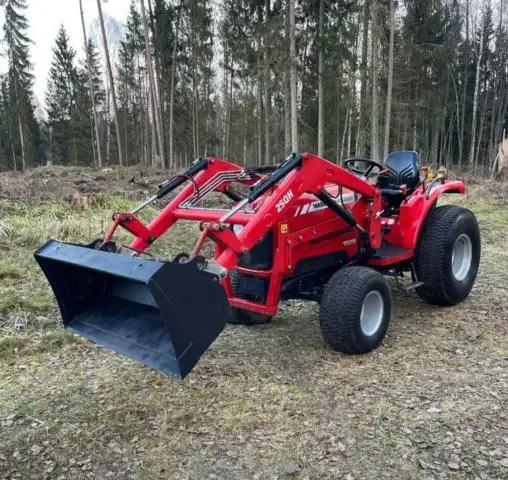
402	169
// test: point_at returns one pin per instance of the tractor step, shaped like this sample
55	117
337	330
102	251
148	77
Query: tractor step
408	285
390	254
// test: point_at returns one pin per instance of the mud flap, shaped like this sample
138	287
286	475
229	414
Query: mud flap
162	314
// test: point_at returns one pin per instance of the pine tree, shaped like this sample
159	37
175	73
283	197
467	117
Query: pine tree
100	114
22	126
166	23
97	74
61	101
128	104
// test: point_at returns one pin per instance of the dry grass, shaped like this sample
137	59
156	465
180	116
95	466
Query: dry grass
266	402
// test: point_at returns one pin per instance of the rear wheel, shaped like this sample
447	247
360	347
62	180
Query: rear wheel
239	316
355	310
448	255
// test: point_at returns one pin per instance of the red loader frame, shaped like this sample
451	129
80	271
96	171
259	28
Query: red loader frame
301	206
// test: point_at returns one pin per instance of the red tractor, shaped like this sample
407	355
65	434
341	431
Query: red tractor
306	229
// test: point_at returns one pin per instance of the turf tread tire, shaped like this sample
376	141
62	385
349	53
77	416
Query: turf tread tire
432	258
340	309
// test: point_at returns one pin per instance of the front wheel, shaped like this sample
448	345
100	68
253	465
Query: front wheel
448	255
355	310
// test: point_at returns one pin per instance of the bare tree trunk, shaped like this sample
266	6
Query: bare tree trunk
21	135
246	116
399	129
475	101
207	112
349	131
374	153
361	150
222	118
321	99
415	123
150	107
22	141
259	109
94	153
195	95
267	80
160	95
74	142
125	135
90	86
228	108
111	83
464	92
343	144
14	161
405	130
357	74
147	151
491	149
434	143
156	108
172	95
230	115
338	153
499	131
108	126
287	95
292	73
482	125
390	81
287	116
352	99
244	150
457	107
357	145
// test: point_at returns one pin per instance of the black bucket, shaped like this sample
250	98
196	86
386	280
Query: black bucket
162	314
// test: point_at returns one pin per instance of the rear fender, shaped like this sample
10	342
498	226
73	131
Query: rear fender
413	213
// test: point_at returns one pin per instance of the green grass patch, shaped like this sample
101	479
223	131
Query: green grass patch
9	271
24	298
11	344
22	345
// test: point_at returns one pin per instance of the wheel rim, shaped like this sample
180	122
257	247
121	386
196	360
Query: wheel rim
462	257
371	315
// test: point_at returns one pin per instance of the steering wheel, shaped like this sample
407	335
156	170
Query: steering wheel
371	165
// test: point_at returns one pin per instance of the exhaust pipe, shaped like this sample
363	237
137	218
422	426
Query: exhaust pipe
163	314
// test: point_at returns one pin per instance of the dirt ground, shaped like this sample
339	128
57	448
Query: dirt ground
269	402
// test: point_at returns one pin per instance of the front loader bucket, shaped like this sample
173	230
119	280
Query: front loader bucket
163	314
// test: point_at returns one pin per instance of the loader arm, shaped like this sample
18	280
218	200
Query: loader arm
300	173
265	207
